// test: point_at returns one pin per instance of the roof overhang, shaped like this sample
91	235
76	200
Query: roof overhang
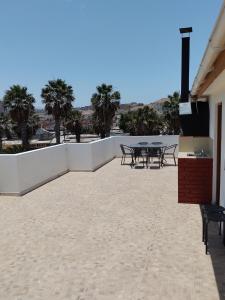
210	67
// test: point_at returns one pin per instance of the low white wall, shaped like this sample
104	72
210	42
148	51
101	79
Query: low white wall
128	140
79	157
102	152
9	177
39	166
90	156
20	173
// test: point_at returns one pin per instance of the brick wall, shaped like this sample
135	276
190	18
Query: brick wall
195	180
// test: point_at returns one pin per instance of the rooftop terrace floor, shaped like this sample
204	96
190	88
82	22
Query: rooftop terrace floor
117	233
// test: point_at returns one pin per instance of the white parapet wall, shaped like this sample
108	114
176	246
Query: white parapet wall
9	177
20	173
23	172
39	166
102	152
79	156
90	156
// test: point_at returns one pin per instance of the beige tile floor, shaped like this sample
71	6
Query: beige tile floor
117	233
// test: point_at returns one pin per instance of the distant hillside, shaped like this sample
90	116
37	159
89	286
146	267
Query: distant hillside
132	106
158	104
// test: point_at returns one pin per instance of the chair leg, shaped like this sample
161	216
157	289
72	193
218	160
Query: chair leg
174	160
133	161
203	228
223	235
206	237
220	228
121	161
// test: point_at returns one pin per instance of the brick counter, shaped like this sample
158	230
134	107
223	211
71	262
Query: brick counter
195	180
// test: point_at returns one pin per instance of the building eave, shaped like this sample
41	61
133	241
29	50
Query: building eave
215	46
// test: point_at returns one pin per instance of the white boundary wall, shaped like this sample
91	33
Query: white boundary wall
20	173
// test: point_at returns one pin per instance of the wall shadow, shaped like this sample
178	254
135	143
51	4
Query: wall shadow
217	253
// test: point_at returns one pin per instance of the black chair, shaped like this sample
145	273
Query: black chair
142	153
126	151
211	213
169	152
213	217
155	153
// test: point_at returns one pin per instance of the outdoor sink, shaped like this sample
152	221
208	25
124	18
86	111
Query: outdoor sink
197	154
190	154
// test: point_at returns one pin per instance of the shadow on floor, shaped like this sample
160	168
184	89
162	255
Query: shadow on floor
217	253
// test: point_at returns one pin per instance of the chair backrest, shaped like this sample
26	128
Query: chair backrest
155	151
173	147
125	147
122	148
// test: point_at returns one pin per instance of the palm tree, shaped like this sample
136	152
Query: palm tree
105	103
171	113
144	121
152	121
73	123
20	106
57	97
4	127
32	125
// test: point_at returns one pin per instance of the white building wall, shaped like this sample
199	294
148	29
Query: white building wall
213	136
222	182
217	96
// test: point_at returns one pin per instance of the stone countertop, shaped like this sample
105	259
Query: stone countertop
191	155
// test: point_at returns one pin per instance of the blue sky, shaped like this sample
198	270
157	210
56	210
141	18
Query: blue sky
132	44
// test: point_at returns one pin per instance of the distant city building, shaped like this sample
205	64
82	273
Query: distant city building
46	121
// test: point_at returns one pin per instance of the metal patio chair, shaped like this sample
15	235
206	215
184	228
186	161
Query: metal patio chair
126	151
169	152
142	153
155	153
216	217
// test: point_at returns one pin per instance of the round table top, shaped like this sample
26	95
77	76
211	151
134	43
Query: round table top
213	208
148	145
215	217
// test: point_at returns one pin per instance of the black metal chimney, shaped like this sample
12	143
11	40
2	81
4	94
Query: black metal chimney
185	63
186	119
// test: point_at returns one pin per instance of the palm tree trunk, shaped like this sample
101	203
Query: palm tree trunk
107	134
24	137
78	137
107	128
0	143
102	134
57	130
